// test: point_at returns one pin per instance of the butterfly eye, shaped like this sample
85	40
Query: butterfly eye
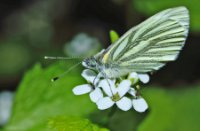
89	62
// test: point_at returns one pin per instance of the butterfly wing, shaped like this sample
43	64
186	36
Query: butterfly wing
148	46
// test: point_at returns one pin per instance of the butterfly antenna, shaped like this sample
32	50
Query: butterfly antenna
61	58
63	74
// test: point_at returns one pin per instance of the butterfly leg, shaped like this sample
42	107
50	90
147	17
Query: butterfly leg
98	76
105	76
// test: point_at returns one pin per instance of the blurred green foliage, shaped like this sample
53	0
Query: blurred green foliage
35	24
14	58
38	99
150	7
40	103
172	110
113	36
73	124
26	31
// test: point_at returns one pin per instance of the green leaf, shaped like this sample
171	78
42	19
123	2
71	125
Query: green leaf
113	36
150	7
73	124
172	110
39	99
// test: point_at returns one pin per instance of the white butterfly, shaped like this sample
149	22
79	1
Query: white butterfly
146	47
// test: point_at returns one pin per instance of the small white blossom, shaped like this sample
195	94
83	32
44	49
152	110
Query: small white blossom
107	92
135	77
115	95
95	93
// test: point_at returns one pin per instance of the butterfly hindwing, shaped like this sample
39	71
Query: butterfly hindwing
148	46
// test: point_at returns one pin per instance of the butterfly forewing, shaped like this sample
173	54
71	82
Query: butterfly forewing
148	46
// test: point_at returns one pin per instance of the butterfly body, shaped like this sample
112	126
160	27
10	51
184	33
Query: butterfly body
107	69
146	47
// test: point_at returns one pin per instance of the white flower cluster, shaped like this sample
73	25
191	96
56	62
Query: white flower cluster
107	92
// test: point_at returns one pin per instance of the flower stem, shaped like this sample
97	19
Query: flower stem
108	117
112	112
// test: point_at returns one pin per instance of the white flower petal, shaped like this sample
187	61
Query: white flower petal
82	89
96	95
89	75
132	91
104	103
133	77
124	104
108	88
144	78
123	87
140	105
84	64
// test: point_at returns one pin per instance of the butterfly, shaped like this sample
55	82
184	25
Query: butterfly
146	47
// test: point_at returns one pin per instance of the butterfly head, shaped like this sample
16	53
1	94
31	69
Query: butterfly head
90	63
